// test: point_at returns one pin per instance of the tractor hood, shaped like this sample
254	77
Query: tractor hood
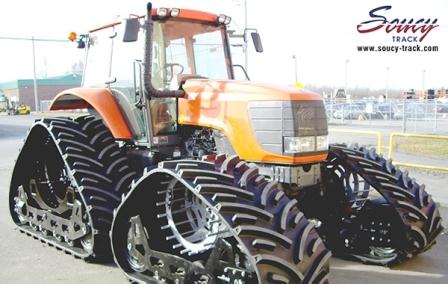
255	117
243	91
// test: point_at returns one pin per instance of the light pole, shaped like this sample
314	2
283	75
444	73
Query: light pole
296	76
246	55
387	82
423	82
346	75
36	96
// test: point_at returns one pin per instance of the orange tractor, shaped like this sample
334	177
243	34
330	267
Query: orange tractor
186	176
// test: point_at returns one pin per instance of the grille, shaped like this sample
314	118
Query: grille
272	120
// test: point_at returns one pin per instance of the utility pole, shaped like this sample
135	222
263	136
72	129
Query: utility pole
346	76
387	82
423	82
36	96
296	76
246	54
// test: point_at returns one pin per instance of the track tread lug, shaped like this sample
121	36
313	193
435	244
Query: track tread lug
281	264
216	188
247	209
263	244
266	234
242	218
285	213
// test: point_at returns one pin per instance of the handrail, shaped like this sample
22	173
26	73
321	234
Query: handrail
411	135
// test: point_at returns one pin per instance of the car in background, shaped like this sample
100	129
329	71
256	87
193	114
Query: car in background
350	112
383	111
442	107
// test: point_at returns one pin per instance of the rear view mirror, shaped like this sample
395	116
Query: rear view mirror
81	42
257	41
131	29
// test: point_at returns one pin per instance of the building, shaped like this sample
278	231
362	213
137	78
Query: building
442	93
432	94
409	94
22	90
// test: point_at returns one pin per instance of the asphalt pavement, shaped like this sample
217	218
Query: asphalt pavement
26	260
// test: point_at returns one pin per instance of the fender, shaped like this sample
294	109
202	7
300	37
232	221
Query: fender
100	99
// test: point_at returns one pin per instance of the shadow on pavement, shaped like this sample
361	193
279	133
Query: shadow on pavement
429	267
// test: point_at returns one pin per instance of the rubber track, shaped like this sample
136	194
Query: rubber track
285	245
420	214
102	177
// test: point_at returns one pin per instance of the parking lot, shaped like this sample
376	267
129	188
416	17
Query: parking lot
25	260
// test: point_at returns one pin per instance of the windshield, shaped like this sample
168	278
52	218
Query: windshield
180	49
188	48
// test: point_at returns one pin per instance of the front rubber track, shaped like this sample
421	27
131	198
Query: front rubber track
284	244
97	167
418	211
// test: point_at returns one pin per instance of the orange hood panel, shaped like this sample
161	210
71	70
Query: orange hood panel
223	105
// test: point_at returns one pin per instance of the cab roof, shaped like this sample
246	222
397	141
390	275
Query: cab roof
184	14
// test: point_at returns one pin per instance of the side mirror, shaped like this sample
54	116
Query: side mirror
257	41
81	42
131	29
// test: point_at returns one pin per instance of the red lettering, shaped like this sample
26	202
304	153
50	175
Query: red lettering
403	29
369	30
390	28
425	30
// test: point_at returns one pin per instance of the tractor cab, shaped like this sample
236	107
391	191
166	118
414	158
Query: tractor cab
185	44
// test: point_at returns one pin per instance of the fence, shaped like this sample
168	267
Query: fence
417	116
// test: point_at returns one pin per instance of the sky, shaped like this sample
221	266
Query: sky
321	34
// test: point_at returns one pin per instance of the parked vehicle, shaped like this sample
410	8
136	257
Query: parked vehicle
350	112
18	109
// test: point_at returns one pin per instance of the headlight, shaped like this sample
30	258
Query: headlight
224	20
321	143
162	12
228	20
175	12
221	19
293	145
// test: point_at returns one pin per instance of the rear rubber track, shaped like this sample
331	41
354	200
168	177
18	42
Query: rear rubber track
98	170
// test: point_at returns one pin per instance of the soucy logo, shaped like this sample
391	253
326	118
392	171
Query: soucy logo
412	30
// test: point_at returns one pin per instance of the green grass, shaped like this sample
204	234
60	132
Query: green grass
423	146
